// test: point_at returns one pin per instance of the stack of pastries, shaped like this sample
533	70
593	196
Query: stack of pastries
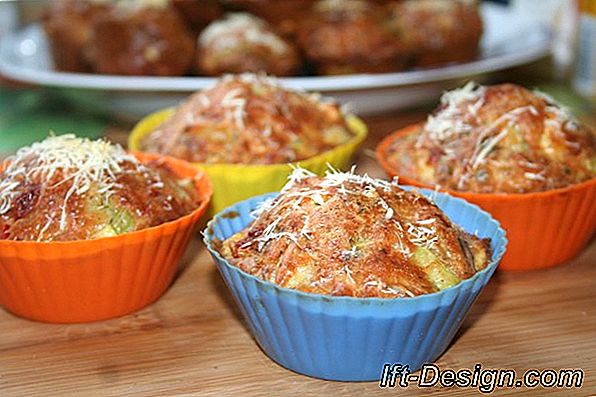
302	37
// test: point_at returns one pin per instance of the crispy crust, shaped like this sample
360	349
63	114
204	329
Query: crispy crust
249	120
353	236
497	139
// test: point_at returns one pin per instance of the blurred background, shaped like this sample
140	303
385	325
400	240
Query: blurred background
549	44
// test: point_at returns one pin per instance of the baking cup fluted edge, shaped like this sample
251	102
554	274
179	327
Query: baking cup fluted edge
346	338
236	182
91	280
544	229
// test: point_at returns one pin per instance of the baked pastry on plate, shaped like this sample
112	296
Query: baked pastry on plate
241	43
437	32
69	27
142	38
350	36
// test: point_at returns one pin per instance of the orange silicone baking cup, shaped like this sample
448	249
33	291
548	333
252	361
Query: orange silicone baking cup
544	229
89	280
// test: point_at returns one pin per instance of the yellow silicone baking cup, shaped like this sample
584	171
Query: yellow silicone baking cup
236	182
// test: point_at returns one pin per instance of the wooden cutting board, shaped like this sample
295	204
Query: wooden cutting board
193	342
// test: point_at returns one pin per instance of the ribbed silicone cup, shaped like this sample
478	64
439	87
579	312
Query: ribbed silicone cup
81	281
544	229
236	182
346	338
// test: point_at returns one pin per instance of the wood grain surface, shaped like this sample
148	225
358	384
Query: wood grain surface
192	342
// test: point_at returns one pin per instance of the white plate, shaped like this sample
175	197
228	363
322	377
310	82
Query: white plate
510	39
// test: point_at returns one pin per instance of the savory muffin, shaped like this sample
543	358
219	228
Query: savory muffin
350	235
437	31
284	15
142	38
249	119
69	26
67	188
244	43
496	139
350	36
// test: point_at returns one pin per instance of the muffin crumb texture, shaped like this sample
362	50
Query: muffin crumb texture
350	235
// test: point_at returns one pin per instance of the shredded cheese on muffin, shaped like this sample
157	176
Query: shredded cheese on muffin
81	161
250	119
500	138
238	27
349	234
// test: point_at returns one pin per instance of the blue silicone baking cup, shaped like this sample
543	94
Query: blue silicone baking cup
346	338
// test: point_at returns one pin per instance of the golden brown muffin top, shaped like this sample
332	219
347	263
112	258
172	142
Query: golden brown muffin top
344	31
238	29
249	119
284	15
66	188
350	235
141	38
427	25
241	42
497	139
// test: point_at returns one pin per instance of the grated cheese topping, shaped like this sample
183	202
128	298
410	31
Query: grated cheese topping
485	138
345	234
485	143
450	122
564	118
236	28
251	118
265	80
348	6
64	159
235	101
421	233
